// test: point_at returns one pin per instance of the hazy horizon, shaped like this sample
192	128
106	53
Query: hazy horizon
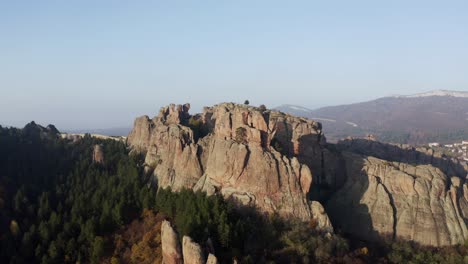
91	65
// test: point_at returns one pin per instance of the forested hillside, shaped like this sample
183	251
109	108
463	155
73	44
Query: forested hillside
56	204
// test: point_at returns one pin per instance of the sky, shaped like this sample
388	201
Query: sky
99	64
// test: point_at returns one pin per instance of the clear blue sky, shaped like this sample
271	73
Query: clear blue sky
99	64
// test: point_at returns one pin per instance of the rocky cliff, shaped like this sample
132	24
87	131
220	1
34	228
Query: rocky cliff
255	157
276	162
400	192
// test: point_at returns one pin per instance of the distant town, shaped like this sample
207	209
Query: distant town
458	150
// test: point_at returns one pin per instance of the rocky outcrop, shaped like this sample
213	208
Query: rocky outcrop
212	259
257	158
192	252
171	251
321	218
98	154
397	200
275	161
33	130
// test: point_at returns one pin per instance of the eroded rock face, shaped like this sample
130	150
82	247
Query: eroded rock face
192	252
170	245
237	157
398	200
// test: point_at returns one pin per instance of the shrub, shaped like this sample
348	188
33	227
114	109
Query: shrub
197	127
241	135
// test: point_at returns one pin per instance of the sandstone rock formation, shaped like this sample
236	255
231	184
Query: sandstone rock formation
98	154
212	259
192	252
276	161
321	217
258	158
398	200
171	250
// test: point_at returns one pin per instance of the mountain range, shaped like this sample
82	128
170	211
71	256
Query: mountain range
437	116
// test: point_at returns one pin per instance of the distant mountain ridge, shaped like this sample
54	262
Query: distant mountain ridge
436	116
437	93
113	132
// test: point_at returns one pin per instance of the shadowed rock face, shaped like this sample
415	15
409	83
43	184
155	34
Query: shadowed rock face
415	194
235	158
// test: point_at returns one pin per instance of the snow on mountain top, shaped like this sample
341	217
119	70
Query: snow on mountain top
437	93
300	108
294	107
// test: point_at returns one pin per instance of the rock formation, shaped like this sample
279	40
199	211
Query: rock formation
33	130
192	252
98	154
275	162
398	200
171	251
212	259
257	158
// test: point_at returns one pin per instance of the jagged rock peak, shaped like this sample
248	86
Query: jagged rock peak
175	114
35	130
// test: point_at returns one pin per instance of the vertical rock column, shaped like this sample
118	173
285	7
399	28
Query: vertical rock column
170	245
